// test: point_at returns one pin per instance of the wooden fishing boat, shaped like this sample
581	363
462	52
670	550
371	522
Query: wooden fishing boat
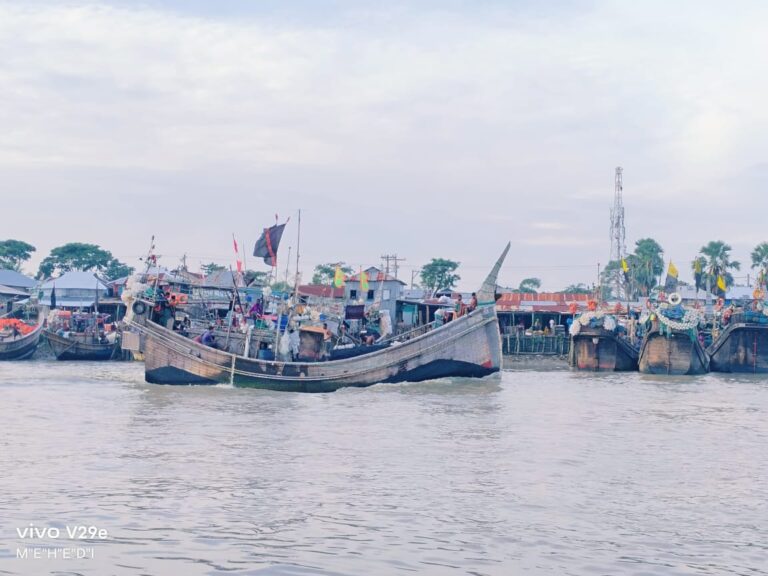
595	349
467	346
671	344
77	346
742	346
20	347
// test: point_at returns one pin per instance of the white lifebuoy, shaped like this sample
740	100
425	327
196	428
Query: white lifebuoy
674	299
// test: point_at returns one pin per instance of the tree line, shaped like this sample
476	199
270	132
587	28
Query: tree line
71	256
645	266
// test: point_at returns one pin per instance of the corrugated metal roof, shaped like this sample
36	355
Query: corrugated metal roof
8	291
77	280
13	279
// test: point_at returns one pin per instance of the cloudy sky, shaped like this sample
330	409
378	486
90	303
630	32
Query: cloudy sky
426	129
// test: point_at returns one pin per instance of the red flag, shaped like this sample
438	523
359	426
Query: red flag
237	255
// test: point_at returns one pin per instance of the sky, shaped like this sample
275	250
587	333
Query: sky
423	129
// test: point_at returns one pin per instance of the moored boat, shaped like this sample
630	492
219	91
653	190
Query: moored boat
18	340
671	345
469	345
81	347
742	346
81	336
596	345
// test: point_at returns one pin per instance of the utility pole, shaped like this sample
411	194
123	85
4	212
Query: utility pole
618	232
387	258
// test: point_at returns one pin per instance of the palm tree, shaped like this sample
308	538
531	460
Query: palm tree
760	256
647	265
717	258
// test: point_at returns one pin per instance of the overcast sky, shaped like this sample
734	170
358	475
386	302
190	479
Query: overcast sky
426	129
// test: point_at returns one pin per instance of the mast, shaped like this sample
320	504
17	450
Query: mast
298	254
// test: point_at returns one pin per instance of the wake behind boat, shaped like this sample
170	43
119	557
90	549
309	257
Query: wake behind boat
469	345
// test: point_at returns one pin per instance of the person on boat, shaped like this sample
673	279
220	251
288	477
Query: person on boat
472	306
293	343
208	337
460	307
327	336
16	333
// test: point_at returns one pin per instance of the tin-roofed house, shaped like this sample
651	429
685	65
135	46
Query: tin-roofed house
75	290
383	289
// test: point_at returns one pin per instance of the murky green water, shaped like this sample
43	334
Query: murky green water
526	472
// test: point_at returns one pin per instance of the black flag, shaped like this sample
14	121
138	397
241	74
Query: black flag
267	244
53	297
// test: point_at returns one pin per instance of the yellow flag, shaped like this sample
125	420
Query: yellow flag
672	270
624	265
363	281
338	278
721	283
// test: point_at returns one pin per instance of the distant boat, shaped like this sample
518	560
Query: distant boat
466	346
81	336
743	345
21	346
599	349
80	347
672	345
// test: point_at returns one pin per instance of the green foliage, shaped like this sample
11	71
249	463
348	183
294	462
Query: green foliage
760	256
530	285
254	277
717	259
439	274
646	265
578	289
117	269
85	257
281	286
211	267
13	253
324	273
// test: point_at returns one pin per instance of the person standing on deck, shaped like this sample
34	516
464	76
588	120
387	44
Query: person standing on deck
460	307
472	303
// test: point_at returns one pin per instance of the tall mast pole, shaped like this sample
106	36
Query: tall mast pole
298	254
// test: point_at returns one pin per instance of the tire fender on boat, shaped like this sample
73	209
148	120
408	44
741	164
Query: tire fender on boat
139	308
674	299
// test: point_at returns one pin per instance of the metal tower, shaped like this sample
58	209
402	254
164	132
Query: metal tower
618	232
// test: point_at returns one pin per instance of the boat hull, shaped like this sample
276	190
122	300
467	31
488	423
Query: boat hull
741	348
676	354
469	346
598	350
75	349
21	348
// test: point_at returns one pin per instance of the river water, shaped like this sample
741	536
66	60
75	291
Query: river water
520	473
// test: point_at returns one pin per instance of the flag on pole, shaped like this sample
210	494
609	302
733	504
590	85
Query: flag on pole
363	281
625	269
721	286
53	297
670	285
267	245
237	256
338	277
